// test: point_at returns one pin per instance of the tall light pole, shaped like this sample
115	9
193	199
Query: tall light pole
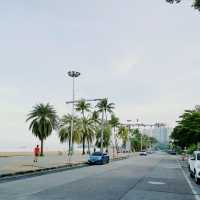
129	132
102	130
137	122
74	75
151	134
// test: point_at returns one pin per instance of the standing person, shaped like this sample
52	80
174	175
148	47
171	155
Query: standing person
36	153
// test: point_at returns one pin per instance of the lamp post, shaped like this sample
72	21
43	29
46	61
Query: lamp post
129	132
151	134
102	130
137	122
74	75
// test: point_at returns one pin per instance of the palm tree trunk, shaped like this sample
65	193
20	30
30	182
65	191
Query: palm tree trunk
72	146
83	134
115	138
88	146
83	145
42	144
106	116
125	144
69	147
102	132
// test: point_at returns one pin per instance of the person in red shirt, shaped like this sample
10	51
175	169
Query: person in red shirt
36	153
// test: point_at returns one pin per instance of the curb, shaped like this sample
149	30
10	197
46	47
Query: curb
39	172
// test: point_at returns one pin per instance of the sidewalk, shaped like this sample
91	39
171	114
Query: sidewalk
25	163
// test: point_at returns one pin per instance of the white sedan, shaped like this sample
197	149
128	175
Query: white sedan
143	153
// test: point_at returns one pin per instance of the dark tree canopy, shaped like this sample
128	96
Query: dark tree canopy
195	4
187	132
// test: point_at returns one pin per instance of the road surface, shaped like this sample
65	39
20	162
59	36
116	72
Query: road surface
155	177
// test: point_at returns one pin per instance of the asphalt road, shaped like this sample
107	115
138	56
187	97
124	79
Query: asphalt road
155	177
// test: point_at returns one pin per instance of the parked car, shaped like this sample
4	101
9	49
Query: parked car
194	166
143	153
98	158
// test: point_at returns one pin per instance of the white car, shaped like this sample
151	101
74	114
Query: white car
143	153
194	166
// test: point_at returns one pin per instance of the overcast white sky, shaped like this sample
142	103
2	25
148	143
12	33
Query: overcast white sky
143	55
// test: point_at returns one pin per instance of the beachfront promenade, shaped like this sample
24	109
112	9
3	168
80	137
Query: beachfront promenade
24	162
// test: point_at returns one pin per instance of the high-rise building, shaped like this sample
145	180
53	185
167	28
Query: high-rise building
161	134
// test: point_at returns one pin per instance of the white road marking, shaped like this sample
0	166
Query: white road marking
195	193
156	183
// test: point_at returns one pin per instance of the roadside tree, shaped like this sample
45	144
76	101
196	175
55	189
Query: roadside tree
107	131
123	135
64	132
43	121
82	106
187	131
114	122
195	3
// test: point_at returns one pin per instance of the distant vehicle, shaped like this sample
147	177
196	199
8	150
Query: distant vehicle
194	166
149	151
172	152
98	158
143	153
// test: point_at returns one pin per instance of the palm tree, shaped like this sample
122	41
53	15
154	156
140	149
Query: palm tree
65	130
106	137
123	134
88	130
96	120
82	106
114	122
95	117
104	107
44	121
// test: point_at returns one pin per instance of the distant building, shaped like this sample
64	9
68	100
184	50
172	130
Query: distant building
161	134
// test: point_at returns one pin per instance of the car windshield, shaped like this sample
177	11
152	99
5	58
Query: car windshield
198	156
97	154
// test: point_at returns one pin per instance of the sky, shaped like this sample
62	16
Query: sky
142	55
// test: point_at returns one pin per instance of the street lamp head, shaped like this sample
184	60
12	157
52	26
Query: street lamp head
73	74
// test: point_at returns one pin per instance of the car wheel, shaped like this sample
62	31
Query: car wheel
197	180
191	174
189	168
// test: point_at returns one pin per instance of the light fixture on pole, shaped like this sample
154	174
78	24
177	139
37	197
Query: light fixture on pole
74	75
